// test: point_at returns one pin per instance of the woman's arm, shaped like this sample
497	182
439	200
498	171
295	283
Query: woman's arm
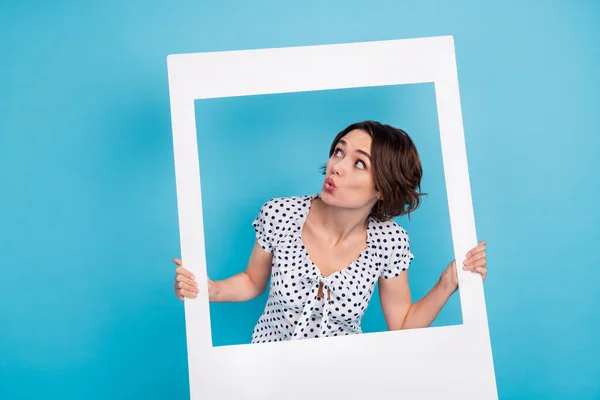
422	313
395	299
246	285
397	307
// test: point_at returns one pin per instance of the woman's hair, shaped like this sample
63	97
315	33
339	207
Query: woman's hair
396	169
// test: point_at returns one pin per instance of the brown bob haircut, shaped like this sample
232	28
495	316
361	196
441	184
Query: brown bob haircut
396	169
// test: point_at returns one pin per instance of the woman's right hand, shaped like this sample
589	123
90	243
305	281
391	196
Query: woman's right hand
185	283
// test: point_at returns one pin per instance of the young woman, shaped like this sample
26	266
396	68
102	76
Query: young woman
325	252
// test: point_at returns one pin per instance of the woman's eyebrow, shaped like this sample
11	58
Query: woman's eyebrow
343	142
365	153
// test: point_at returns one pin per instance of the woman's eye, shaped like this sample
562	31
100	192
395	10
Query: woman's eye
337	152
360	165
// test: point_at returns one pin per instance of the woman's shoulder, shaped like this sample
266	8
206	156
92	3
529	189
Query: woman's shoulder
288	201
277	220
388	229
286	208
391	241
287	204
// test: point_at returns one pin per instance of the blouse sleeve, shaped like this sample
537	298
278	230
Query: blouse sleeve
399	256
263	228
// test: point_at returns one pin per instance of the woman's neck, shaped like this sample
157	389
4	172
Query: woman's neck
339	224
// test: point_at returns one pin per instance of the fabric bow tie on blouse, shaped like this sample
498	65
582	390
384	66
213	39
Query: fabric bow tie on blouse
315	280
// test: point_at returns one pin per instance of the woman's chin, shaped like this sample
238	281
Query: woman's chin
327	194
329	197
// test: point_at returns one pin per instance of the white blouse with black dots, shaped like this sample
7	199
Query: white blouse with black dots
294	310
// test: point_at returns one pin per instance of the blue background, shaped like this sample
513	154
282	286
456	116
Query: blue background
88	216
255	148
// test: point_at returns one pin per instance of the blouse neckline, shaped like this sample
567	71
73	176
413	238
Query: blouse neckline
363	254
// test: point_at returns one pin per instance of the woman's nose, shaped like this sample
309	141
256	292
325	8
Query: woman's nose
339	168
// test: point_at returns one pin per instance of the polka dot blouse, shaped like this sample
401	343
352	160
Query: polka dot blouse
294	308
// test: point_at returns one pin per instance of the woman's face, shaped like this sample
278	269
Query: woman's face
349	177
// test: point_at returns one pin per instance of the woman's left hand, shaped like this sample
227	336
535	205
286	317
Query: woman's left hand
475	262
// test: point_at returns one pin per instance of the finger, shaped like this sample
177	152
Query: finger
177	261
189	294
482	271
185	279
180	286
185	272
471	266
185	291
178	292
476	249
473	259
479	263
185	286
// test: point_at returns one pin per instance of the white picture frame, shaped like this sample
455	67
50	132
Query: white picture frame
450	362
